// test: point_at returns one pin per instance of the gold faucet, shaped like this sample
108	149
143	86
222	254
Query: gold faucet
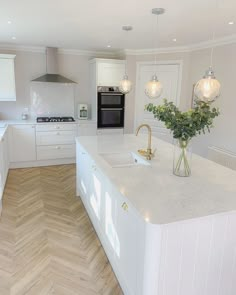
148	152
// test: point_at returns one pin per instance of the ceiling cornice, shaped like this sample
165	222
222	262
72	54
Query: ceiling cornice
90	53
188	48
26	48
177	49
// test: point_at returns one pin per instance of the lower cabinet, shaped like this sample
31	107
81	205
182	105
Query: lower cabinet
22	143
114	219
55	141
4	164
55	152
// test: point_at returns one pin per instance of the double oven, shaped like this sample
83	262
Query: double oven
111	107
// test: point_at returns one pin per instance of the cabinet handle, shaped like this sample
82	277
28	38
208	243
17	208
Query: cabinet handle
58	147
58	133
57	127
32	126
125	206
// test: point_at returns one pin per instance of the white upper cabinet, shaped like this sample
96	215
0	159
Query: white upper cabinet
22	143
110	73
7	77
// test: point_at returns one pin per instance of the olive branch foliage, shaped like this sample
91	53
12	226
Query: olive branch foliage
185	125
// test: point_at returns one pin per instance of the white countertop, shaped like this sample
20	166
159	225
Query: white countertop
158	195
33	121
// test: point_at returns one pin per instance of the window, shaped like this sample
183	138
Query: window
7	77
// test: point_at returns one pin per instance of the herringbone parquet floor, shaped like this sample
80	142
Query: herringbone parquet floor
47	243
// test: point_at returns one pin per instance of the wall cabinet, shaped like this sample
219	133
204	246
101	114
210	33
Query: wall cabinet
110	72
22	143
55	141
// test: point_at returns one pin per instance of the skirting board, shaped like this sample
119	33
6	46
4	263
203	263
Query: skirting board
41	163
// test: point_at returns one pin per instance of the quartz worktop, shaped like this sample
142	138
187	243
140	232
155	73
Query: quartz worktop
158	195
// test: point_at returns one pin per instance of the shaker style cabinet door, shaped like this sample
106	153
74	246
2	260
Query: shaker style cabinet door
126	249
83	174
110	74
22	143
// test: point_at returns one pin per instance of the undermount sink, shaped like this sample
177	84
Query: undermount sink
124	159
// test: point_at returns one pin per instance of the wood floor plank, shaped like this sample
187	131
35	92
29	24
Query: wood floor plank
47	243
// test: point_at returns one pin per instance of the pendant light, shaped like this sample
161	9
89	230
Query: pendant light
154	87
125	84
208	88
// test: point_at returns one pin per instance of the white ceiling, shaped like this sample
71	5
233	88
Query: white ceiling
93	24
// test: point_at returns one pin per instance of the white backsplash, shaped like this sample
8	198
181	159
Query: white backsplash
52	99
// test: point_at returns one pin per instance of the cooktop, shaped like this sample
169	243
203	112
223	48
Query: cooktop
55	119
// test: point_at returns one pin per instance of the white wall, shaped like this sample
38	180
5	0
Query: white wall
30	65
223	135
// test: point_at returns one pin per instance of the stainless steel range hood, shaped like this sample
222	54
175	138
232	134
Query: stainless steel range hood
52	69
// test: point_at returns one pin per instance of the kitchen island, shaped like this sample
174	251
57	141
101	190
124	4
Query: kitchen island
163	234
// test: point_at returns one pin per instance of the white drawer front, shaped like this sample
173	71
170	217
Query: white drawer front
58	126
56	137
56	152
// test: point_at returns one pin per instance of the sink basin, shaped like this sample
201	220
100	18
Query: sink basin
125	159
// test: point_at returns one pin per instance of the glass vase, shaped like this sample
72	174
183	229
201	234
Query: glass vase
182	158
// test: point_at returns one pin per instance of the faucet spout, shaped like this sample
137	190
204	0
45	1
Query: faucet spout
147	153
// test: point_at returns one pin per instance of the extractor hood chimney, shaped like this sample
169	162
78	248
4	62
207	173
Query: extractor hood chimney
52	69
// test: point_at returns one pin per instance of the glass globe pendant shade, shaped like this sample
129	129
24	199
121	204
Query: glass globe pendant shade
125	85
153	88
208	88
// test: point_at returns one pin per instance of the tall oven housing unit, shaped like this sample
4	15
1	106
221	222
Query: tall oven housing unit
110	107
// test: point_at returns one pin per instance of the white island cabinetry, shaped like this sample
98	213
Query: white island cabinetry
163	235
114	219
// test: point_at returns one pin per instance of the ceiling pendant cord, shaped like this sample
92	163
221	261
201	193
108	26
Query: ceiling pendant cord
154	88
46	60
212	49
156	46
125	84
207	89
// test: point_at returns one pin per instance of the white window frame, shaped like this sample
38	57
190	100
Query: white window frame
12	57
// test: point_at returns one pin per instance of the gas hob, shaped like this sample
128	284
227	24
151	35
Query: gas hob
55	119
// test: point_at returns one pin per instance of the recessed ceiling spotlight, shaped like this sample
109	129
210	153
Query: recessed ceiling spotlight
174	40
108	46
231	23
13	38
9	22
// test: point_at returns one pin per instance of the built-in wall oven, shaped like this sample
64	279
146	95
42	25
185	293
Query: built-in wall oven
111	107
